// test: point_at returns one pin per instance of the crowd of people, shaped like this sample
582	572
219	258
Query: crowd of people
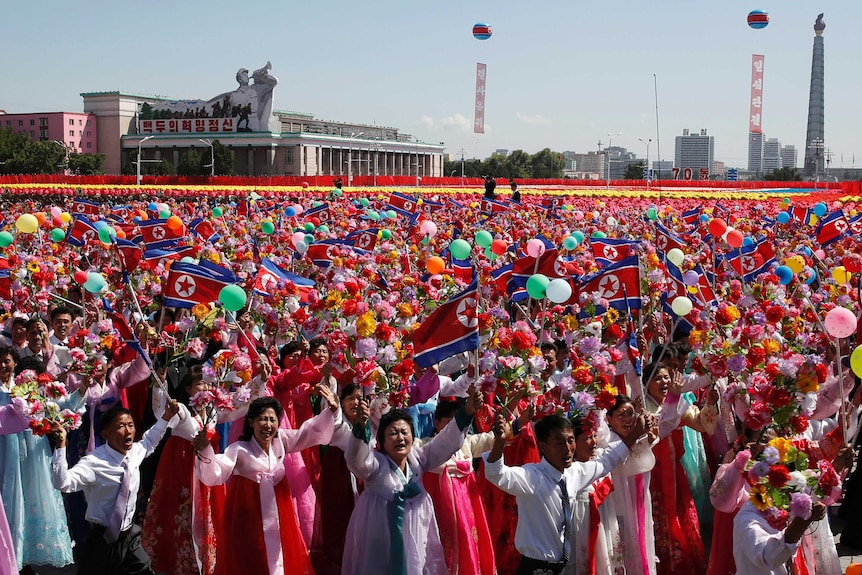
364	381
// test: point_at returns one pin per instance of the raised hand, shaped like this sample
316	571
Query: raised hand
201	440
475	400
326	393
363	413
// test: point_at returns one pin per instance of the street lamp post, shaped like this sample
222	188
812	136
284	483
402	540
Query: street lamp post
648	173
138	160
65	154
350	157
608	150
212	155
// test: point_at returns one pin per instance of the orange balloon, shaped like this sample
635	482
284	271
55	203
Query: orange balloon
121	234
435	265
175	222
40	216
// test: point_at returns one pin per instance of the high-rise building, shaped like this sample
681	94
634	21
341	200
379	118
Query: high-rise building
695	151
814	137
755	152
771	155
788	156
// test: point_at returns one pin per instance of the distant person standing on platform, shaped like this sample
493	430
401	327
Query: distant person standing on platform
516	195
490	185
110	478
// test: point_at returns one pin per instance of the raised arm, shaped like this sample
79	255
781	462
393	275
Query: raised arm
359	454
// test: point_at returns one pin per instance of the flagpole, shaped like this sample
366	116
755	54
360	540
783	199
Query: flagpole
77	305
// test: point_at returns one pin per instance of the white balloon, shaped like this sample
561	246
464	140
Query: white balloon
301	247
681	306
675	256
559	290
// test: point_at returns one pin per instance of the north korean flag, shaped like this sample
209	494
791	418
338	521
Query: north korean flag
321	212
189	284
204	230
363	239
802	213
163	256
854	225
751	261
320	254
432	206
130	254
665	240
242	208
619	283
6	283
122	212
269	275
463	269
402	203
691	217
502	276
81	231
492	207
157	234
133	346
609	250
832	227
86	207
549	264
452	328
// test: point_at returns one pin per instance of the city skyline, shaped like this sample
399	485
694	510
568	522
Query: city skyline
559	76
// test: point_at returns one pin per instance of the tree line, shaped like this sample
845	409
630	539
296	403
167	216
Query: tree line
21	155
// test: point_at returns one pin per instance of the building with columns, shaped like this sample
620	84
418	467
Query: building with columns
292	143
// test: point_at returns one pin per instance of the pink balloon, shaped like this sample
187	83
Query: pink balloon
535	248
840	322
579	215
428	228
820	254
55	211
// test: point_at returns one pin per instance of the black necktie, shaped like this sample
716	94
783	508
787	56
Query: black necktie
567	516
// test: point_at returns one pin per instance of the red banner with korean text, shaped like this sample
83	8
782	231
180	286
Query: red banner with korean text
479	113
756	110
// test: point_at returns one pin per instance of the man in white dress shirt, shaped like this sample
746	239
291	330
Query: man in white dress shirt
110	478
546	491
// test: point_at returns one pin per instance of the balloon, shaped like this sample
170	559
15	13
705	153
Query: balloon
373	215
80	277
56	221
95	282
820	254
232	297
809	274
217	212
735	239
579	215
304	185
840	322
40	217
267	227
570	242
796	263
482	31
717	227
309	227
704	218
819	209
675	256
289	211
153	207
598	234
559	290
490	255
188	260
611	221
385	234
537	285
66	217
785	274
852	263
175	223
428	228
364	202
786	200
107	234
164	214
652	214
484	239
301	247
841	275
758	19
435	265
499	247
391	214
690	278
681	306
27	224
783	217
55	211
6	239
57	235
308	239
297	237
578	235
99	224
460	249
535	248
856	361
747	241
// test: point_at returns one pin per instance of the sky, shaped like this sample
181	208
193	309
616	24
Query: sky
562	74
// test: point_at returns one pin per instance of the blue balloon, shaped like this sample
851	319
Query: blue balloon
806	250
290	212
100	224
785	274
747	241
820	209
704	218
152	206
783	217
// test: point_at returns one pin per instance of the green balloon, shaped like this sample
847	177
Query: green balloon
309	227
323	229
490	255
598	234
652	213
570	243
786	200
95	282
460	249
165	214
217	212
309	239
6	239
484	239
385	234
232	297
364	202
537	284
267	227
337	192
317	203
578	235
373	215
106	234
426	240
391	214
57	235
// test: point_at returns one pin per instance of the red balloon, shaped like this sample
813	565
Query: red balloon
717	227
852	263
499	247
80	277
734	238
304	185
315	221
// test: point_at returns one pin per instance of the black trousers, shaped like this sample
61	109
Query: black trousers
125	556
529	566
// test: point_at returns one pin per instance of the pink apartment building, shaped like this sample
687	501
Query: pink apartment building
77	132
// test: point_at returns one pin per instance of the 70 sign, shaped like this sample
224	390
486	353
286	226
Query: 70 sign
688	173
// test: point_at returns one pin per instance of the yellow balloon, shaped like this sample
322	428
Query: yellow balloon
692	289
796	263
856	361
27	223
66	217
841	275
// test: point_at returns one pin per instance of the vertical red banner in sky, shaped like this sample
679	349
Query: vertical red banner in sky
479	112
756	112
